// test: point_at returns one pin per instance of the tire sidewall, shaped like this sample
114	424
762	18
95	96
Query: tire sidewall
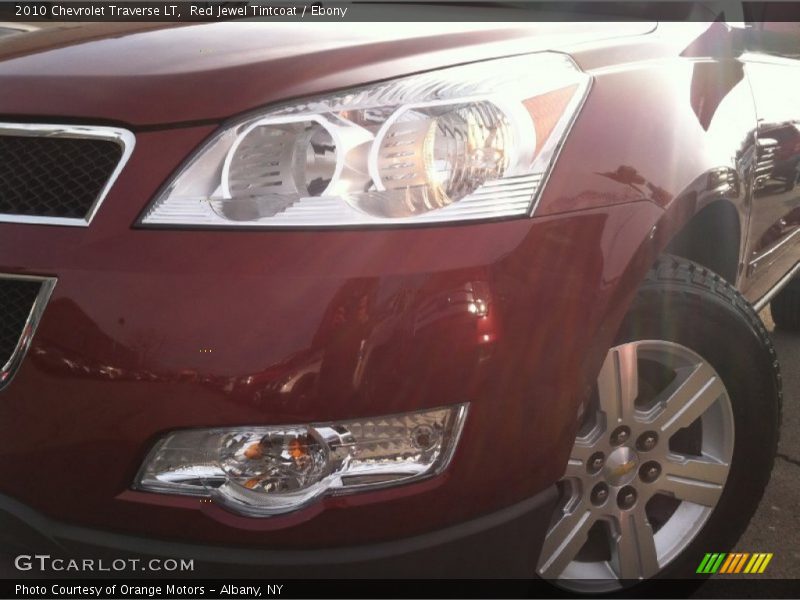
725	333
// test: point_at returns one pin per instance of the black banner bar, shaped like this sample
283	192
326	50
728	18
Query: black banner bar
393	10
485	588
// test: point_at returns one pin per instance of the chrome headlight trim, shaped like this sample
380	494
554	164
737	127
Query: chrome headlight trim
512	196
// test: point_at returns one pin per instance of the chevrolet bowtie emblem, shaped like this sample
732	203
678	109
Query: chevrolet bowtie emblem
624	469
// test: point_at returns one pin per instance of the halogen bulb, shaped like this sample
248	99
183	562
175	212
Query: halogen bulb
466	147
430	157
286	158
274	165
425	437
314	160
277	462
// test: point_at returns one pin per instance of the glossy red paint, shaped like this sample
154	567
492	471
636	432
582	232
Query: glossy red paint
152	330
149	316
144	74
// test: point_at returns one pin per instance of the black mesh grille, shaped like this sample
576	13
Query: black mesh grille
54	177
16	300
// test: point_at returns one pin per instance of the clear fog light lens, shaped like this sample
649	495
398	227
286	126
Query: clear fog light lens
261	471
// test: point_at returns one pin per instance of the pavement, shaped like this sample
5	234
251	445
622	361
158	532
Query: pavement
776	525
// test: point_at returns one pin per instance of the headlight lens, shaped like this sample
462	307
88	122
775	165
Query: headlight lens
262	471
468	142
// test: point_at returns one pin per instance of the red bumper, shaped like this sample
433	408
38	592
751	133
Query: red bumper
152	330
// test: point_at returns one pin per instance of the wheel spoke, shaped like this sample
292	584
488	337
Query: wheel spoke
582	450
695	480
618	384
575	468
612	476
633	547
700	388
564	540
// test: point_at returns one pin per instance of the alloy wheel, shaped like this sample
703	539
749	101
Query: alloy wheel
647	469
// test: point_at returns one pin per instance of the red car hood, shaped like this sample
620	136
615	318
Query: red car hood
151	74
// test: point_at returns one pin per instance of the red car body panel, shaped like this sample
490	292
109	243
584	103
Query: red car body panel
150	330
145	322
142	74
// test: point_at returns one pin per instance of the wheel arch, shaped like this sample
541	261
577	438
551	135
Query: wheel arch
706	229
712	237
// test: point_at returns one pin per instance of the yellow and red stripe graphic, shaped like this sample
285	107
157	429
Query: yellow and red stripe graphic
735	562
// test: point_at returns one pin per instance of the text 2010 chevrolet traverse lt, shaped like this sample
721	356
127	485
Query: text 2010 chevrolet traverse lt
471	300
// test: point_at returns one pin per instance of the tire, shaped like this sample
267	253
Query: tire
707	383
785	307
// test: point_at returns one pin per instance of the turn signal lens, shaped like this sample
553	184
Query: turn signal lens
262	471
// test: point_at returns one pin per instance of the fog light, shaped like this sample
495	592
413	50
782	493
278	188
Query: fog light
261	471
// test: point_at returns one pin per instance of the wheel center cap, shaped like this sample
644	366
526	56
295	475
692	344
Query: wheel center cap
620	467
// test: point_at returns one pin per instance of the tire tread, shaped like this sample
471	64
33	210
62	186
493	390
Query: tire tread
673	269
669	270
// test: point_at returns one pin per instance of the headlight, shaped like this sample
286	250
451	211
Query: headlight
261	471
468	142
